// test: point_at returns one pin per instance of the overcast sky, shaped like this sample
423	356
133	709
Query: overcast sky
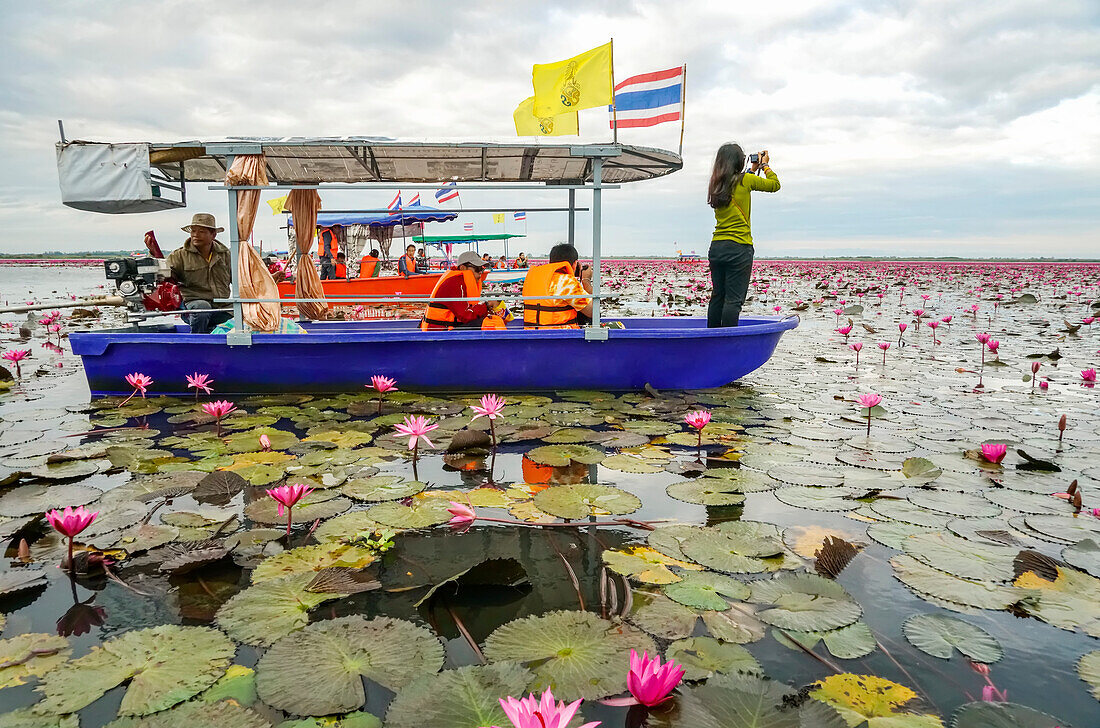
896	127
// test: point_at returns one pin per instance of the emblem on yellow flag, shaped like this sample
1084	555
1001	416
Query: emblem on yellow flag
580	82
498	217
527	124
278	205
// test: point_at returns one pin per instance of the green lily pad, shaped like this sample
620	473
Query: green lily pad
347	526
576	654
871	701
920	470
1024	502
707	492
1071	601
804	602
468	697
629	463
962	557
732	554
706	591
894	534
164	665
249	441
318	504
906	512
701	657
1002	715
737	624
583	500
924	580
18	580
573	435
562	455
198	714
940	636
26	718
1085	555
320	669
661	617
265	612
1088	668
668	539
818	499
358	719
38	498
311	559
1059	528
421	514
146	536
381	488
219	488
30	655
955	503
644	564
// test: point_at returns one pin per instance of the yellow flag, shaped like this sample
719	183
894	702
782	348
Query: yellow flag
278	205
498	217
527	124
580	82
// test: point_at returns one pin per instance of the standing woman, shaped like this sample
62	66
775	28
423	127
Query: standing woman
731	248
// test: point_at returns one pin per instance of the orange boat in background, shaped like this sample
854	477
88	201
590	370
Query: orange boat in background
418	286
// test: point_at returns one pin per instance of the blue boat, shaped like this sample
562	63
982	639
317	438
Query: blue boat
341	356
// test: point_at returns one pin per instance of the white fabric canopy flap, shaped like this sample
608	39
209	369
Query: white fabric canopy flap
111	178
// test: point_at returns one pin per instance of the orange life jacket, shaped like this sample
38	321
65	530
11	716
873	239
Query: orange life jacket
367	266
326	241
550	313
341	270
440	317
410	264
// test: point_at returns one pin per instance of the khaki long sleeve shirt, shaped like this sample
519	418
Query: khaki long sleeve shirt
201	279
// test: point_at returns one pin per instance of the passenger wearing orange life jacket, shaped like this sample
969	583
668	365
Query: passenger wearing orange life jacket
328	246
463	281
559	277
368	265
406	264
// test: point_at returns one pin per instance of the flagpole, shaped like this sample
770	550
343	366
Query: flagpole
683	106
614	111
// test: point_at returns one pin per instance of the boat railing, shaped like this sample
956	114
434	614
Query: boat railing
402	299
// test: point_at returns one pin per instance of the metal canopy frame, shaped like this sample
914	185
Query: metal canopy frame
597	157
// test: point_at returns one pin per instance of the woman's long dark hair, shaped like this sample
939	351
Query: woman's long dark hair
729	168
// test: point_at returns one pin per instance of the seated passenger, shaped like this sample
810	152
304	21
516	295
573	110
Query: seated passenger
422	262
406	264
502	263
463	281
341	266
521	261
368	265
559	277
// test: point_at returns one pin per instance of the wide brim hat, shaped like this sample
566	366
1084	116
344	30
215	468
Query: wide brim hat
471	258
203	219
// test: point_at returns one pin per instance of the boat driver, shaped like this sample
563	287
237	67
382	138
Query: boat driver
201	268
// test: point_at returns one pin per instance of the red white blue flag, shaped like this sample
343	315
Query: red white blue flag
395	204
520	216
649	99
447	192
468	227
415	201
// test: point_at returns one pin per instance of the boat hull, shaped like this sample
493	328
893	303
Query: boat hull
337	356
418	286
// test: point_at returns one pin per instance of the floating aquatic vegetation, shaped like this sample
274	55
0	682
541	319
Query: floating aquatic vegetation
264	613
877	701
31	655
940	636
468	697
583	500
706	590
804	602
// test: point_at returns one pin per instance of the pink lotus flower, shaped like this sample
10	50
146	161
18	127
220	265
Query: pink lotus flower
198	381
993	345
982	338
15	356
534	713
994	452
884	345
140	382
69	523
1089	375
947	319
218	410
869	401
416	428
856	347
844	331
698	419
265	443
460	514
288	496
382	385
650	682
991	694
491	406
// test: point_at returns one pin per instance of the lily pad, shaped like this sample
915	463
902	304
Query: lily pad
311	559
263	613
628	463
707	492
701	657
804	602
1002	715
381	488
320	669
358	719
707	591
876	700
219	488
818	499
729	553
1088	667
164	665
17	580
576	654
924	580
468	697
583	500
561	455
1070	601
318	504
668	539
30	655
962	557
198	714
347	526
920	470
940	636
1085	555
421	514
661	617
645	564
39	498
955	503
737	624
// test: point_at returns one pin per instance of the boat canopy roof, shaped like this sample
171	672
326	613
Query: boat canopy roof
464	238
405	217
357	159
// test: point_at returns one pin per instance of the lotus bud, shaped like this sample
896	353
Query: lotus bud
1077	502
24	550
1072	488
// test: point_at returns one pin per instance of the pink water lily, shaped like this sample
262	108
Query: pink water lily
140	382
531	712
1089	376
994	452
265	443
884	345
382	385
460	514
69	523
491	407
417	429
856	347
698	419
198	381
218	410
287	496
15	356
650	682
869	401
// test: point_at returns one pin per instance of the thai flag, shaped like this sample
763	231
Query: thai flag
447	192
415	201
395	204
649	99
520	216
468	227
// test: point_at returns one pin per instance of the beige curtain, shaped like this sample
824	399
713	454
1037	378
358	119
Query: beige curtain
303	205
255	280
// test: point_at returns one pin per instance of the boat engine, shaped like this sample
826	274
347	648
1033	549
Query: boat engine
144	283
